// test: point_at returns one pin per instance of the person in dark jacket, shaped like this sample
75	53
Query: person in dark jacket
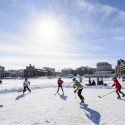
93	83
118	88
78	88
90	81
0	81
60	82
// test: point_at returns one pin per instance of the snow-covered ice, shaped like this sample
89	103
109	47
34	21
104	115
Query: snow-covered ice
42	107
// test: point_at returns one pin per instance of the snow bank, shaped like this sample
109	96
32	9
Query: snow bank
13	85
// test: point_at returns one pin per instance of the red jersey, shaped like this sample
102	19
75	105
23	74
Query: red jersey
117	84
59	82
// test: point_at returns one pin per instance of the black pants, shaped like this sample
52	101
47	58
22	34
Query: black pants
79	94
119	91
25	88
59	86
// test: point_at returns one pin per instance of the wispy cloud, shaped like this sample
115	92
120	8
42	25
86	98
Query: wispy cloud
85	32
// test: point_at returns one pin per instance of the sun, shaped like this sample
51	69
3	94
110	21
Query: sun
47	29
48	33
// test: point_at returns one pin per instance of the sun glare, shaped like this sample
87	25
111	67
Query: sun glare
47	29
48	32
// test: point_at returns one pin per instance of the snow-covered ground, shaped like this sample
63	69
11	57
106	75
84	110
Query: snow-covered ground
42	107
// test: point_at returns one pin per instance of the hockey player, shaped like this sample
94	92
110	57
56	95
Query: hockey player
118	88
78	88
60	82
26	84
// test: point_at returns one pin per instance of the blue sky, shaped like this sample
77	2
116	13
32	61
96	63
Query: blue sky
61	33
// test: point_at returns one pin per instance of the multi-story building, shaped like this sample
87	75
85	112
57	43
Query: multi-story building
66	71
2	69
3	73
31	71
103	66
85	70
20	73
51	71
120	67
12	73
16	73
104	69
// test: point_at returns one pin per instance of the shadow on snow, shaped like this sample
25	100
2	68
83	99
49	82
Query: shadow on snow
91	114
63	97
21	96
122	99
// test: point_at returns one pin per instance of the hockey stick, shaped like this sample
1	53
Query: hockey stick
106	94
75	95
76	99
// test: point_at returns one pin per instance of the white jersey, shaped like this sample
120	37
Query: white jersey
26	83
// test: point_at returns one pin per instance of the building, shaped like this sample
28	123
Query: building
66	71
103	66
31	71
20	73
50	71
120	67
85	70
2	69
12	73
3	73
58	73
16	73
104	69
